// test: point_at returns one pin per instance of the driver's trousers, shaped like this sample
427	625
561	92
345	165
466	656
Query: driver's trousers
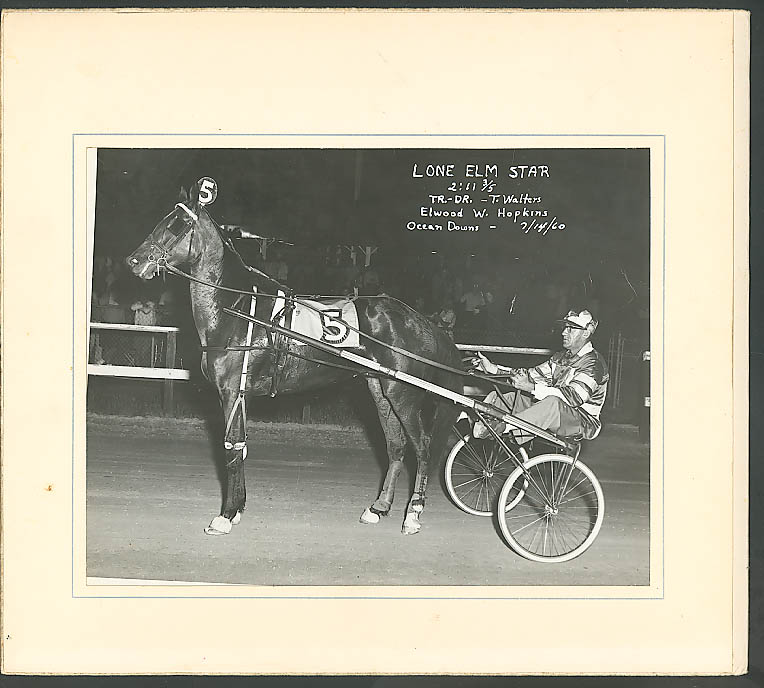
550	413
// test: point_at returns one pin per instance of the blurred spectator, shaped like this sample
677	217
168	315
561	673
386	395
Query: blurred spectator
145	313
445	318
473	301
107	295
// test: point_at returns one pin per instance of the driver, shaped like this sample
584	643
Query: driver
564	395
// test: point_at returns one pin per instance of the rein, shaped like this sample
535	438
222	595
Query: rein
302	357
289	297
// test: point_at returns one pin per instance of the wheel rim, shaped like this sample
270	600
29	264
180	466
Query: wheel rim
560	512
475	473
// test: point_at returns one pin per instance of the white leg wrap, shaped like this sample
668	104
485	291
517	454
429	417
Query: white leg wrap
219	525
238	446
236	519
411	524
368	516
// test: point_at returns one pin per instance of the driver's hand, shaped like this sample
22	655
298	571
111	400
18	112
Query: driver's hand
482	363
520	379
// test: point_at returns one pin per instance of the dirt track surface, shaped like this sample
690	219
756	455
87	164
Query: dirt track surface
153	485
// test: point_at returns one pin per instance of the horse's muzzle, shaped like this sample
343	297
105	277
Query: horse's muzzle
143	268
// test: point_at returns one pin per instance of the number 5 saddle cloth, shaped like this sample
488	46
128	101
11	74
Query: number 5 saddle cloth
332	321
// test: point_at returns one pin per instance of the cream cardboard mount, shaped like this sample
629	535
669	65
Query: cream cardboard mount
74	84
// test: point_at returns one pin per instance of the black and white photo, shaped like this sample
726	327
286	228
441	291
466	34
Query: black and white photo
305	347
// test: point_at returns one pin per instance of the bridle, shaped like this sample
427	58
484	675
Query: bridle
158	252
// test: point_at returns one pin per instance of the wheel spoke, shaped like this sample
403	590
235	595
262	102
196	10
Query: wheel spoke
580	496
576	538
482	487
570	489
472	460
511	460
473	488
467	482
546	532
532	481
559	513
564	541
528	525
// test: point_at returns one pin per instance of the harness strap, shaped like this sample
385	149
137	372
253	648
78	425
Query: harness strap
495	381
331	364
189	212
281	343
250	327
403	352
241	401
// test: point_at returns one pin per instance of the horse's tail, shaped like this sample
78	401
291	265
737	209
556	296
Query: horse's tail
446	412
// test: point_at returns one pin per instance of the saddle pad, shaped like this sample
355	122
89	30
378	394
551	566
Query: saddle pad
326	321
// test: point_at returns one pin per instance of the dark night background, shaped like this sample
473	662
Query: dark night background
314	196
319	199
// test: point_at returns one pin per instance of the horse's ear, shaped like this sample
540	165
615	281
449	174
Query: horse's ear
193	197
182	195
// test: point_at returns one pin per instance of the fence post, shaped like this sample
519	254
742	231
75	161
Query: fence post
615	366
306	413
644	407
169	401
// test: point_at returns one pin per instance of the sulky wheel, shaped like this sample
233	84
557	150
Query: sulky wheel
475	472
559	512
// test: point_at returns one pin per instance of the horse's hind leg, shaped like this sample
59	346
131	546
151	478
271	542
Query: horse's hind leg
421	442
235	443
428	428
396	445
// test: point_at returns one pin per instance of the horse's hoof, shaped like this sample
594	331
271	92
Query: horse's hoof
236	519
411	526
369	517
220	525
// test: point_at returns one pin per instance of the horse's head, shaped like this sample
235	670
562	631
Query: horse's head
175	239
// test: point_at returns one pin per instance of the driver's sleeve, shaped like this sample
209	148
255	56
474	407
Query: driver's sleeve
577	390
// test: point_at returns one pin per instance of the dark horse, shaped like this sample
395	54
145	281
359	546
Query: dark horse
409	416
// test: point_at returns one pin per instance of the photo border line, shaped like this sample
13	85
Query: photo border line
385	597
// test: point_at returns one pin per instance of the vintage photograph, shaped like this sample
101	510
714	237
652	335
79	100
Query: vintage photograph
370	367
406	325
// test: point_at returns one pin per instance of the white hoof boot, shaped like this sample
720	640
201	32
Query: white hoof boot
220	525
236	519
369	517
411	526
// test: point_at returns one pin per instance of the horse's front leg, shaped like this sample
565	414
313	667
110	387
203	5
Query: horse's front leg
235	444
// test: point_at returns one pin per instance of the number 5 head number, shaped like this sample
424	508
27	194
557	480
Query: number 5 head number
208	190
